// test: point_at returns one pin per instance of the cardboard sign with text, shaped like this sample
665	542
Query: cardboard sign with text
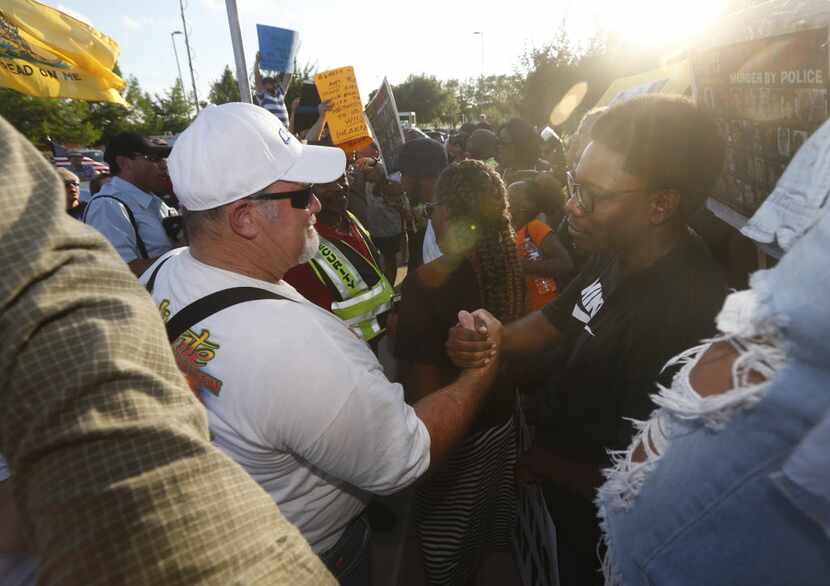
345	120
382	113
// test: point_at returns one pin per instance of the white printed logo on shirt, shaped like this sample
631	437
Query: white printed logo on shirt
590	304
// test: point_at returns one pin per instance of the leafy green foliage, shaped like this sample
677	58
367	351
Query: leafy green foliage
225	89
91	123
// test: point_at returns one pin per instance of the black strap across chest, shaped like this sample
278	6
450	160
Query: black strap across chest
206	306
142	248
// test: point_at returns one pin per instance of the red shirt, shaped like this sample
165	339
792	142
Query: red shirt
303	278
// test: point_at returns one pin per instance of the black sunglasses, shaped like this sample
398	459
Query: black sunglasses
151	158
300	199
69	182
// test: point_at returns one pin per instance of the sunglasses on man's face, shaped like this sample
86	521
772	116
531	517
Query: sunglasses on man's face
71	183
151	158
300	199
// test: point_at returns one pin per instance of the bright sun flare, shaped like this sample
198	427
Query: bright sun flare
657	22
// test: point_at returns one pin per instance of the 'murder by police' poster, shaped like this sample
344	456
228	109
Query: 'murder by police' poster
767	96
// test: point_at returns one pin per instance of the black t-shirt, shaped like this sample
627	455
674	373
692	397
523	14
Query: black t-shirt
618	333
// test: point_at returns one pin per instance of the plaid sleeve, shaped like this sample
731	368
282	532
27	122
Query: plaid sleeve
116	480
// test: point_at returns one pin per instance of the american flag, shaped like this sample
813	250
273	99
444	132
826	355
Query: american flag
85	161
61	159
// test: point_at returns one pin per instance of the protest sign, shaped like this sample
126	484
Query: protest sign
767	97
382	113
277	48
346	122
49	54
671	79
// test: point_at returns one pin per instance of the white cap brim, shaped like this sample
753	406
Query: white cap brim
317	164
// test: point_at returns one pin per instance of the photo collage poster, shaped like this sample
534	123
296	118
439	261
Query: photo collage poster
767	97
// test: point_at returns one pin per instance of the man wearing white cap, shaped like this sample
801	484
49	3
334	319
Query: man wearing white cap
292	394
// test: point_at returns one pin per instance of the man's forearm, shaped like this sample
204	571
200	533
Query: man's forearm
315	132
530	335
449	412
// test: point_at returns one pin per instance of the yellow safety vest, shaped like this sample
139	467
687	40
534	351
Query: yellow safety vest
350	273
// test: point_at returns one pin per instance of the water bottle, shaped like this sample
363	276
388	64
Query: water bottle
544	285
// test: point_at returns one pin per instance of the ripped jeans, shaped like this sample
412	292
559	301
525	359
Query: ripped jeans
702	508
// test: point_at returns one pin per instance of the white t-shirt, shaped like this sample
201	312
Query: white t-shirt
297	400
15	569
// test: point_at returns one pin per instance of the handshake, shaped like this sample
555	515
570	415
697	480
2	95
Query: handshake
476	340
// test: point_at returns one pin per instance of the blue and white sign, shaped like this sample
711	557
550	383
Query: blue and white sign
277	48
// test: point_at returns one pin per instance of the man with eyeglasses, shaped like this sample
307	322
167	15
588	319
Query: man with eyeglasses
72	186
292	394
128	210
650	291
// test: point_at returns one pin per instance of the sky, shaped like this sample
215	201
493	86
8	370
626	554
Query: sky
386	38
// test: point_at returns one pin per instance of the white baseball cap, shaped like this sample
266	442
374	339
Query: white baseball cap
235	150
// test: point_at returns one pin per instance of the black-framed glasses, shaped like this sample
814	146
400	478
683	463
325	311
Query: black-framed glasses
71	183
587	197
300	199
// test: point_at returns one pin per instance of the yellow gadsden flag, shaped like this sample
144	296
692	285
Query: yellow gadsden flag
49	54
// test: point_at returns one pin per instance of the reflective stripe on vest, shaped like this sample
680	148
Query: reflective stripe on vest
360	304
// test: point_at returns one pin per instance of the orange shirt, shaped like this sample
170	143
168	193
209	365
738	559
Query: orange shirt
540	290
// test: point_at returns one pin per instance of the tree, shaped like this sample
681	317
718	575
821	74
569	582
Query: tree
225	89
173	109
425	95
40	118
498	97
69	122
28	115
552	70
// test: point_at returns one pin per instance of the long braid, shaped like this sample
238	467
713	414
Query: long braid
476	199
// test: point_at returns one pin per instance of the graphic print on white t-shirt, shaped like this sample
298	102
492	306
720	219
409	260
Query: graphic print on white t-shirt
589	304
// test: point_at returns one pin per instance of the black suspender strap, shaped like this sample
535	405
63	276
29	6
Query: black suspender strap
213	303
206	306
151	282
142	249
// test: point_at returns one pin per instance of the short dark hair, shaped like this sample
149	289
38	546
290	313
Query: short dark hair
524	138
667	141
97	182
458	139
423	157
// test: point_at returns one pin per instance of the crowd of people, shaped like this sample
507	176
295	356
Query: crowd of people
349	331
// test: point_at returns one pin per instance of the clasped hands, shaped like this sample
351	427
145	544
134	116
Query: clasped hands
476	340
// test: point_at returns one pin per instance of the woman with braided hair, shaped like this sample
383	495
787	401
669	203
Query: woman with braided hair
466	510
